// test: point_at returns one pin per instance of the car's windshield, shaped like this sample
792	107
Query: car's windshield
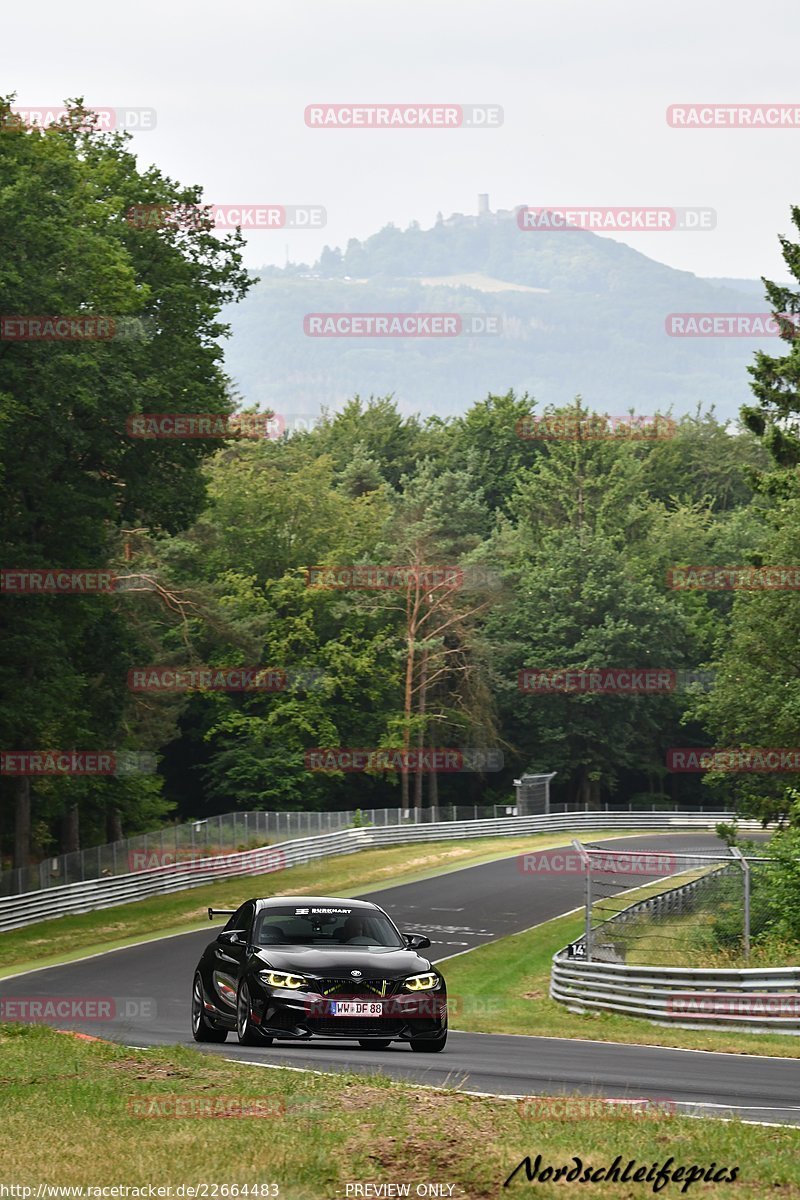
325	925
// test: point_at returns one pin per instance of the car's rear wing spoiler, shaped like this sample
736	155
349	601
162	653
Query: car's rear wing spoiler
220	912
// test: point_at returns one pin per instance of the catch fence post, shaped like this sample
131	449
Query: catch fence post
744	864
587	866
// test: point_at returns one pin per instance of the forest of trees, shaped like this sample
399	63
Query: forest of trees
562	547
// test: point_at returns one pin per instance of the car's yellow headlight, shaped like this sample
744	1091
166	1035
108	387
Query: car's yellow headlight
421	983
282	979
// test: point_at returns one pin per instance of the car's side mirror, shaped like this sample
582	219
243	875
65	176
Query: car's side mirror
231	937
417	941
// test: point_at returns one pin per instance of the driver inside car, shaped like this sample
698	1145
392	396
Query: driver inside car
355	928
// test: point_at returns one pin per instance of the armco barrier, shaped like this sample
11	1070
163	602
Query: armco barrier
25	909
751	999
755	1000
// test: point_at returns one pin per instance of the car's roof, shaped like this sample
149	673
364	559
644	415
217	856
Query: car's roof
328	901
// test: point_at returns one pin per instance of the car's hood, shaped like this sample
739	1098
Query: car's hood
341	960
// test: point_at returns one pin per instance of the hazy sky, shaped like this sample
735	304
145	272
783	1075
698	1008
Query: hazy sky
584	87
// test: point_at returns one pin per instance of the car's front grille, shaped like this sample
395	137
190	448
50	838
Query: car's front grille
369	989
355	1026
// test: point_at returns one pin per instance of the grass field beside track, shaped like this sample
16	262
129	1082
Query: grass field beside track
49	942
79	1113
503	987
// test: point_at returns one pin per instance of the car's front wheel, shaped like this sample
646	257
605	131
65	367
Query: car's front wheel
429	1045
246	1031
202	1029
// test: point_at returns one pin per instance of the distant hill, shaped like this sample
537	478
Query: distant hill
753	287
579	312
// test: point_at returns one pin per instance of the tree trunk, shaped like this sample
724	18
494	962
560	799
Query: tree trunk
71	831
411	611
583	793
433	790
114	825
423	688
22	821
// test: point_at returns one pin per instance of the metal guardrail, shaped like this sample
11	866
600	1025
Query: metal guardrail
25	909
753	999
748	999
226	833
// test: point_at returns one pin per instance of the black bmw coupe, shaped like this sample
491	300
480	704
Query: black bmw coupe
297	967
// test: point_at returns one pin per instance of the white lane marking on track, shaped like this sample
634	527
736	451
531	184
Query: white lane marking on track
101	953
544	1037
506	1096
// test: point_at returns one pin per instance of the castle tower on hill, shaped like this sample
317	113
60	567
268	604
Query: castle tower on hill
484	214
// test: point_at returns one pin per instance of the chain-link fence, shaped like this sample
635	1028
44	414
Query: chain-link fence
533	794
663	909
222	834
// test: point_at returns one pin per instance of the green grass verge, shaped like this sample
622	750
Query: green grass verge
49	942
78	1113
503	987
690	941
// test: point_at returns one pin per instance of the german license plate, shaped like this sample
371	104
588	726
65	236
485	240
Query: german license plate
356	1008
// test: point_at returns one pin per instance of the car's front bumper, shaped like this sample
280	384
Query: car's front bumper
278	1012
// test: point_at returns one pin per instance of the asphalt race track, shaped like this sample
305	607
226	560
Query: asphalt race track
460	910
